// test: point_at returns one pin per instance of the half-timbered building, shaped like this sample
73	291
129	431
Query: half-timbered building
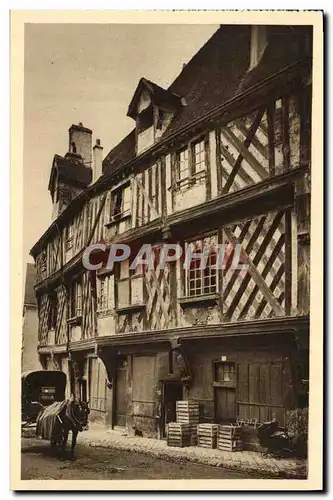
222	156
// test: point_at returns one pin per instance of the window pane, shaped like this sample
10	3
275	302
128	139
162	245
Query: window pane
225	372
199	161
202	280
126	206
183	164
118	201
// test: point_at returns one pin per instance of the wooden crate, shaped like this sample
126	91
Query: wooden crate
187	404
187	419
229	438
229	430
187	412
178	434
207	435
193	434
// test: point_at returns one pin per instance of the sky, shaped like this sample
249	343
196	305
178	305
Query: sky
88	73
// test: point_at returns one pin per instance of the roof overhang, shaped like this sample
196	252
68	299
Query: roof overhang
159	96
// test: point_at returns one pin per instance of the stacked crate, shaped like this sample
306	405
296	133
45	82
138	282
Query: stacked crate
178	434
187	412
229	438
207	435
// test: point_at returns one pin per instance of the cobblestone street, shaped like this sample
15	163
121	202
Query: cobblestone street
107	464
114	450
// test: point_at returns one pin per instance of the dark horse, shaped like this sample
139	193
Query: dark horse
73	417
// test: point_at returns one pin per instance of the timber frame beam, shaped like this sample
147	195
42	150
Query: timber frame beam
218	205
232	200
289	78
175	336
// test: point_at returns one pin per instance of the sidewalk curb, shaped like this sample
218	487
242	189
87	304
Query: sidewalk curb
176	455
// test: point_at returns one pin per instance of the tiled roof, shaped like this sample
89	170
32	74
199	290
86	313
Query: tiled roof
121	154
71	169
218	72
30	280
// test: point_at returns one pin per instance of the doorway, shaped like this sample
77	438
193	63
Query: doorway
172	391
225	405
224	392
83	389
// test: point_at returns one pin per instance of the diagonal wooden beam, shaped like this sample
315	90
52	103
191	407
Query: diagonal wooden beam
97	219
231	160
265	272
56	336
146	197
257	277
157	283
272	287
245	153
247	142
247	249
255	141
153	300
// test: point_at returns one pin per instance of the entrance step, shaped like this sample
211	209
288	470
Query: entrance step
120	430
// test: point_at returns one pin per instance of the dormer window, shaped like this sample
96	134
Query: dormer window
145	119
153	108
160	117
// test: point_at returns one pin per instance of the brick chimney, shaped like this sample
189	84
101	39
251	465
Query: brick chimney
97	160
80	141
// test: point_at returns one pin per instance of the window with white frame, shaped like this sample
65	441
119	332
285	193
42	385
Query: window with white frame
201	273
183	165
121	203
76	298
191	163
105	292
199	157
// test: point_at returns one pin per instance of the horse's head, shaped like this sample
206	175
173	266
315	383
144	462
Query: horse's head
83	413
78	412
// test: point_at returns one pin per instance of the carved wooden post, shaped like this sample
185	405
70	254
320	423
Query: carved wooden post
108	356
178	353
302	202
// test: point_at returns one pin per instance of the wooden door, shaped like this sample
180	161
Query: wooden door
225	405
120	396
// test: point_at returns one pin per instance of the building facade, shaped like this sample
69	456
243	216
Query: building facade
29	354
221	157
